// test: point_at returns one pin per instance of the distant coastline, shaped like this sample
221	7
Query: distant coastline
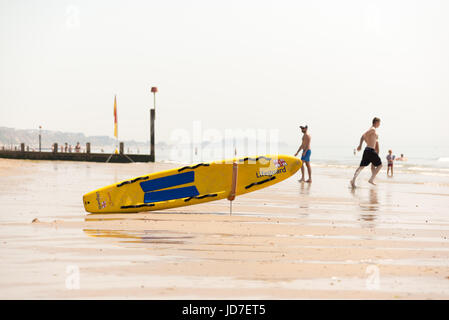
11	138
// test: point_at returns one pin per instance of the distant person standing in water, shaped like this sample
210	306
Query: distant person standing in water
390	160
306	152
371	153
401	158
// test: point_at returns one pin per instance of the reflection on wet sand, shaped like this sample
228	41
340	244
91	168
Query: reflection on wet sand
137	236
373	204
304	191
368	208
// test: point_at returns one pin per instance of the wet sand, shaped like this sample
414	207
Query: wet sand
288	241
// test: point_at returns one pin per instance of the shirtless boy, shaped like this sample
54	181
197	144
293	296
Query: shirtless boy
305	146
371	153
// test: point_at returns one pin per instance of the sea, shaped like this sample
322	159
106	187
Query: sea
422	160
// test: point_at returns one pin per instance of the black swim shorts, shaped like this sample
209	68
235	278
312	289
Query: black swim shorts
370	156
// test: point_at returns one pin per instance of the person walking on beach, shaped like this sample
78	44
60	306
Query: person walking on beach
306	152
390	160
371	153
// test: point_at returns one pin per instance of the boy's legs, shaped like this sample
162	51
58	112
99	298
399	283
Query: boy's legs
364	163
374	174
302	173
356	173
306	159
376	165
309	171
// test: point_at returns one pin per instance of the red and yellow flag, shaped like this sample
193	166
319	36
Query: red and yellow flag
115	117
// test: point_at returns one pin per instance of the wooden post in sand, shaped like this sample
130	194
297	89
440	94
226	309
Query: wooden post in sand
152	116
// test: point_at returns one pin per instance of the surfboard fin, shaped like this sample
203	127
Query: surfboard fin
231	196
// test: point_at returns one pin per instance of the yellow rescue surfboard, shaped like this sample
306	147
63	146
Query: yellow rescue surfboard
192	184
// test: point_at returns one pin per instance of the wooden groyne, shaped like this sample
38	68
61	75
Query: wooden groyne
120	157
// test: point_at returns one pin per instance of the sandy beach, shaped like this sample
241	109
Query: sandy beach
288	241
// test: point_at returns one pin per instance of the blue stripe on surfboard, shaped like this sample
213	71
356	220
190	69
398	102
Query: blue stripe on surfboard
171	194
167	182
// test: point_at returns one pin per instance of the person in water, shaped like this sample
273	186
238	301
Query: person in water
371	152
401	158
390	160
305	146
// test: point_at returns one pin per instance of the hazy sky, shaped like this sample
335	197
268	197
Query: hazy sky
333	65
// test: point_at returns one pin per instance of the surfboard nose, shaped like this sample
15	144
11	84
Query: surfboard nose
297	164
